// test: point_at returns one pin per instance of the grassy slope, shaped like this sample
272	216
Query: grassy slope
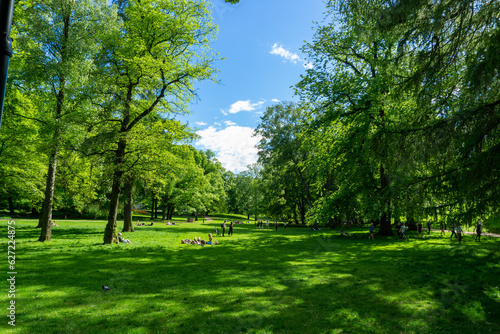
293	281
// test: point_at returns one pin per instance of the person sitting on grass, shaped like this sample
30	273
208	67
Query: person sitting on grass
211	241
186	241
121	240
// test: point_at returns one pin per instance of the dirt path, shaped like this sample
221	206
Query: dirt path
484	234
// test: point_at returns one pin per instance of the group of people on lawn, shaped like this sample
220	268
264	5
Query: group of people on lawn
200	241
455	229
196	241
260	225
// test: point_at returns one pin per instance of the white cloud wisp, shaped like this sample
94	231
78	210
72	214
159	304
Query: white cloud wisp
238	106
284	53
279	50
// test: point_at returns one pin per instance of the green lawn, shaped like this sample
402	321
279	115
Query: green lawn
293	281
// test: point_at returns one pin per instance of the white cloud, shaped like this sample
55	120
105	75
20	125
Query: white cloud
229	123
284	53
275	100
238	106
200	123
279	50
234	146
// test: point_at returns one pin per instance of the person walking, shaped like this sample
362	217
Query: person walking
429	226
443	227
230	229
372	228
459	233
452	230
398	230
403	234
267	224
223	226
479	230
419	229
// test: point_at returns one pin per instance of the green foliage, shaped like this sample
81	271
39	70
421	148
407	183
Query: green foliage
405	111
285	184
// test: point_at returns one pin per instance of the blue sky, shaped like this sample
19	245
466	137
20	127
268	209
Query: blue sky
261	41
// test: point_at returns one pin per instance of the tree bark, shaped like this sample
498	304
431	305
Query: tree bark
45	221
385	227
170	211
153	206
110	235
128	225
11	205
156	208
164	212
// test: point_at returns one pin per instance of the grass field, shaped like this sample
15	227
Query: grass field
289	281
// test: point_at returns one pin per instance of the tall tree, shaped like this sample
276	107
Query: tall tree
56	49
453	48
149	67
350	86
282	157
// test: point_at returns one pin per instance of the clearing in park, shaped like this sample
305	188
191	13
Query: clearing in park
257	281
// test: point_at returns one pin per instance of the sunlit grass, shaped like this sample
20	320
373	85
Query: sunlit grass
258	281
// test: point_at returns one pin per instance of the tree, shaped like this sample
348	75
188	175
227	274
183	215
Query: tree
287	189
148	68
453	49
407	110
56	48
350	86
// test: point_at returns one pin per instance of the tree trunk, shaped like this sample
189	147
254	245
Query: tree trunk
45	221
11	205
170	211
128	225
164	212
153	206
156	208
110	235
385	227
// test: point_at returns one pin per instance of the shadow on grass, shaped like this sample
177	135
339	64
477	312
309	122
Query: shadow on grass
294	282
